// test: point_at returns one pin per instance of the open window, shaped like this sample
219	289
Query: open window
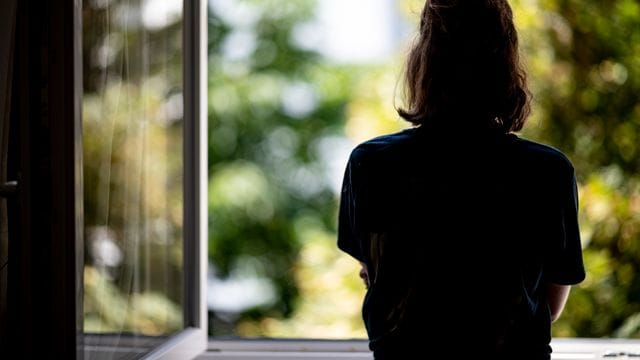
104	173
104	182
143	220
289	99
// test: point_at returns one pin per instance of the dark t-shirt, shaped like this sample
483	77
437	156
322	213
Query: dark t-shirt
460	234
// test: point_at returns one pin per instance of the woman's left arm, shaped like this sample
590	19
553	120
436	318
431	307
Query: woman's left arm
557	296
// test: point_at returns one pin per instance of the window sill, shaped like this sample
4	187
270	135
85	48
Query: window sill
564	349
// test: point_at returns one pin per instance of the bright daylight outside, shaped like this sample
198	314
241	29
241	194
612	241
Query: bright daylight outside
293	86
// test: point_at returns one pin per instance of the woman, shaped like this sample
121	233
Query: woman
467	233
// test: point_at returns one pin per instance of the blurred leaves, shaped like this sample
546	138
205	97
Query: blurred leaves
331	295
583	68
272	105
282	120
107	311
583	59
132	167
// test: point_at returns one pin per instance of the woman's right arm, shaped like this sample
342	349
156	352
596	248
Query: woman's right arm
364	274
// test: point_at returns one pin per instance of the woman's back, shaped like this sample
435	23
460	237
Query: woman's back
458	232
469	234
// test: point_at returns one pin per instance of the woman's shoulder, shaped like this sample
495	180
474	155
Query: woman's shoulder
541	153
383	145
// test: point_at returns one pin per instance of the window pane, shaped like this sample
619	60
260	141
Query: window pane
294	85
133	172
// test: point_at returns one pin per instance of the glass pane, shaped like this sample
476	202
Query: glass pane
133	173
294	85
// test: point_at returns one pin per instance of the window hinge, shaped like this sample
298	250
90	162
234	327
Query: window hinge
8	188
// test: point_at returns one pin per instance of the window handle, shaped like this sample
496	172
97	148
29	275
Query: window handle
8	188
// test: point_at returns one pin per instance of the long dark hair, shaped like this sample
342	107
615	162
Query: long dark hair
464	67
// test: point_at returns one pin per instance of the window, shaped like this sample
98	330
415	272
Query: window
133	169
285	107
141	178
104	219
292	86
287	102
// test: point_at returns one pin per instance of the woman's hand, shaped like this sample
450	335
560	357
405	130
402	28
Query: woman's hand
364	274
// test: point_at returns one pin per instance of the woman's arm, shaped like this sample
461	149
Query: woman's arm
557	296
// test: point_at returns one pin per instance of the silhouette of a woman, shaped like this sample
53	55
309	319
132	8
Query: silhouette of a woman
467	233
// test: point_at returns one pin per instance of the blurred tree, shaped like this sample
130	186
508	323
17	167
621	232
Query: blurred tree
278	116
584	62
276	112
276	105
132	167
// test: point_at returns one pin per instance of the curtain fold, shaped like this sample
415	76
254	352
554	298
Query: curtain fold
7	27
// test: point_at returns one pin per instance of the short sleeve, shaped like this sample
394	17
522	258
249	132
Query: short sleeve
566	265
349	203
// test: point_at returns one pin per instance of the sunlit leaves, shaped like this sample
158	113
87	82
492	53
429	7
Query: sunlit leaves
583	61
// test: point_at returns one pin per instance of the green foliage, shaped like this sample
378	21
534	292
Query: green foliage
265	165
132	171
106	310
584	67
583	60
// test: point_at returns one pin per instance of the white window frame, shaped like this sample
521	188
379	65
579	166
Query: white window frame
192	340
563	349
